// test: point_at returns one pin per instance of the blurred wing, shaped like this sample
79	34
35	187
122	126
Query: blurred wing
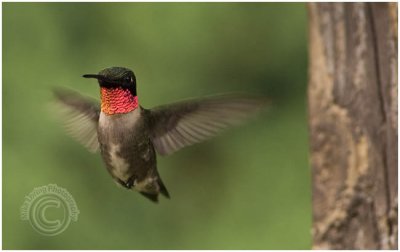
80	115
184	123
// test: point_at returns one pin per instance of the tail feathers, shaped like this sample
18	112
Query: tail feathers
163	189
154	196
150	196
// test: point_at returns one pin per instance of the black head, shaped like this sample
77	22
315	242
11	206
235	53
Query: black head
114	77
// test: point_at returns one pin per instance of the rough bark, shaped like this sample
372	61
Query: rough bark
353	124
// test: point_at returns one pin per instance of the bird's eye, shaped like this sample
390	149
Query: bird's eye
128	79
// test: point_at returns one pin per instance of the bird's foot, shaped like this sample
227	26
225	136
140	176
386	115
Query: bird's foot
128	184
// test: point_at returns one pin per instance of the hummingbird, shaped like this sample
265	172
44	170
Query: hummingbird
129	137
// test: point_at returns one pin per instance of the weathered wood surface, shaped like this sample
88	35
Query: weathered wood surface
353	124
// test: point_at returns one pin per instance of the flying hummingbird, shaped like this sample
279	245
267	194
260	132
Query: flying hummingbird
129	136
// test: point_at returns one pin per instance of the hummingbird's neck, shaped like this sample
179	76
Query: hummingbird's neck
117	100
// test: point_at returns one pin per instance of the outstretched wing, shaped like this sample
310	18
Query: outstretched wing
181	124
80	115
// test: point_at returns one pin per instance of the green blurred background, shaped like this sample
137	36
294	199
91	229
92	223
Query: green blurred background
246	189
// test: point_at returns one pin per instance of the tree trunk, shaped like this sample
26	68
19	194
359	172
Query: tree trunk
352	96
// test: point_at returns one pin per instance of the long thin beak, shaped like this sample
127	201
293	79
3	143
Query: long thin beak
99	77
95	76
